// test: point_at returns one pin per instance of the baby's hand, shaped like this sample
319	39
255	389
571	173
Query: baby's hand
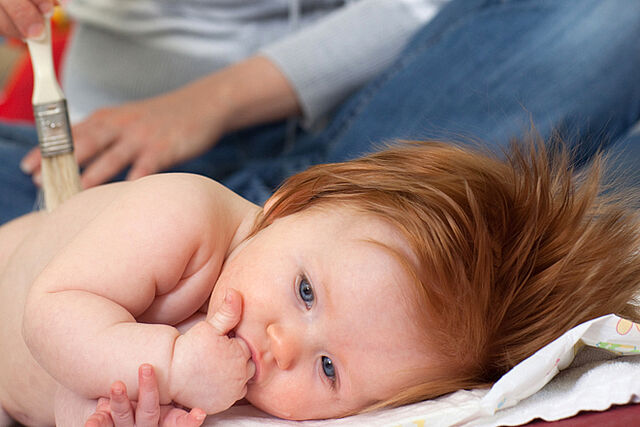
119	411
209	369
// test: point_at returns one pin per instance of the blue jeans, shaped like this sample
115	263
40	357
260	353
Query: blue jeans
236	152
481	69
489	70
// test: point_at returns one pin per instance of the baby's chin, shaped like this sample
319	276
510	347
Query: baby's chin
293	414
272	409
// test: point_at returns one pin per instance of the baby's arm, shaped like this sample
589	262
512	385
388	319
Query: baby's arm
157	248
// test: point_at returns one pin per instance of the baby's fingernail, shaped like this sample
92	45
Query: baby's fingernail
198	414
117	390
146	371
227	296
35	30
26	167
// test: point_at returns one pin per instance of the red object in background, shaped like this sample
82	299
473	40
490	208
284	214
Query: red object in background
15	99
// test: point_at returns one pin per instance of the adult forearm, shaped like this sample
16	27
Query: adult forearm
86	342
251	92
329	59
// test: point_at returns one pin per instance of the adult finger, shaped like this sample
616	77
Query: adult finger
120	405
148	409
143	166
7	27
228	314
26	16
107	165
93	135
46	6
30	163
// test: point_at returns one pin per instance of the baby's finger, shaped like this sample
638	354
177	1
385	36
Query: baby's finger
175	417
121	410
148	409
195	418
103	405
228	314
99	419
251	369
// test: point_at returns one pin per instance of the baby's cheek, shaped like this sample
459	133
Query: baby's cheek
289	399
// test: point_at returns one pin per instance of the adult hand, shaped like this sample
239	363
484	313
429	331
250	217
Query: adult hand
147	136
209	369
161	132
119	411
23	18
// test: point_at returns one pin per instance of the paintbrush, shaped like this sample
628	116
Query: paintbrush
60	173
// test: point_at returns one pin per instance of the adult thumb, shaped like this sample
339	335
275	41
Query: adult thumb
228	314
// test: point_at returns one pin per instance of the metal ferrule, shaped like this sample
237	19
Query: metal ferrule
54	131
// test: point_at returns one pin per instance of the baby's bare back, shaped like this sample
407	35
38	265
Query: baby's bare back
213	220
26	245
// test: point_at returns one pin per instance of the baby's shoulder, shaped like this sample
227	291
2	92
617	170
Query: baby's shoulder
177	200
170	194
161	189
171	210
188	203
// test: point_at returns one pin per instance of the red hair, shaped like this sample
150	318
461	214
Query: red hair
512	250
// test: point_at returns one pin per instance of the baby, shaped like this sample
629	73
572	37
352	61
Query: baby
397	277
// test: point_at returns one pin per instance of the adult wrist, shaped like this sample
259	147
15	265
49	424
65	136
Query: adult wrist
252	92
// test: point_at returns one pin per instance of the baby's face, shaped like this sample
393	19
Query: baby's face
327	314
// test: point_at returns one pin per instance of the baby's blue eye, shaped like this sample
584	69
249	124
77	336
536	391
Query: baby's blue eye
328	368
306	292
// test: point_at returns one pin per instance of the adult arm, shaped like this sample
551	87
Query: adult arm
307	73
331	58
154	134
154	253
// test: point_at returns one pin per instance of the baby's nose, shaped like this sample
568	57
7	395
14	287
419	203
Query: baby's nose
284	347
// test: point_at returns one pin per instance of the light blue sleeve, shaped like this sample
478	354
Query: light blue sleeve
332	57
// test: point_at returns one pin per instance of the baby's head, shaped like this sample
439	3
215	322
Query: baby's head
472	264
